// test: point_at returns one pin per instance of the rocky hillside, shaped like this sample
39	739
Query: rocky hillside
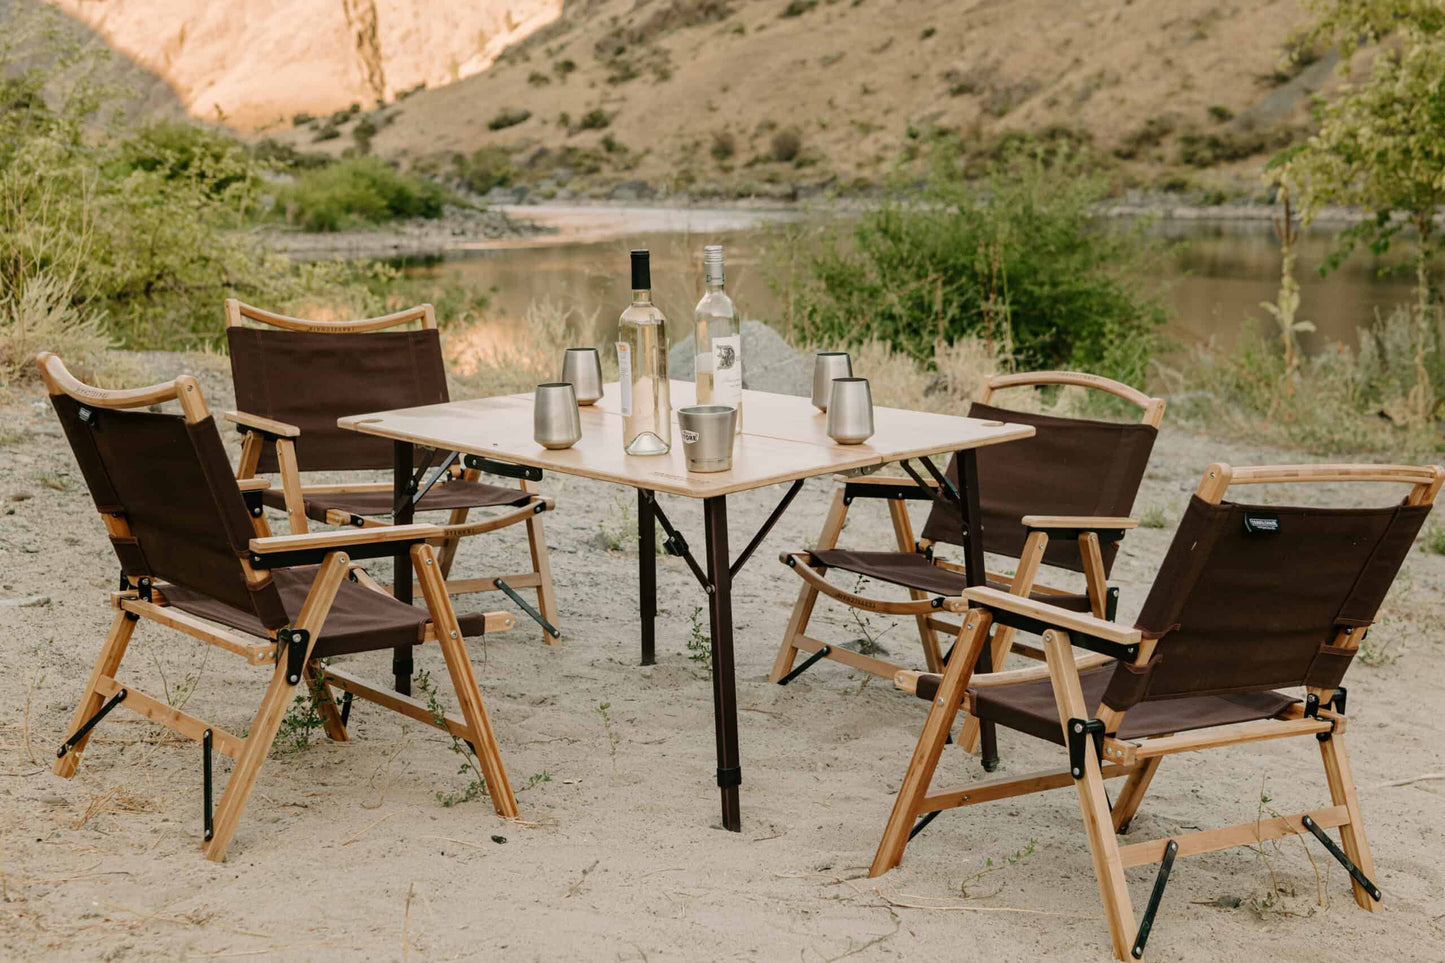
786	97
257	63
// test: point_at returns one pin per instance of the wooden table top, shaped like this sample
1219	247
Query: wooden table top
783	439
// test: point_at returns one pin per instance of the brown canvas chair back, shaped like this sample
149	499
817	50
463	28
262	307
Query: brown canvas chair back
1251	597
166	484
310	373
1071	466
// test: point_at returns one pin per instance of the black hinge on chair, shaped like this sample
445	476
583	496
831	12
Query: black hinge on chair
253	501
1147	923
345	709
537	617
104	710
1111	603
295	641
1345	861
143	588
1079	732
1337	703
206	784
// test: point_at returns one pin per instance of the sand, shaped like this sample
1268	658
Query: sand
346	854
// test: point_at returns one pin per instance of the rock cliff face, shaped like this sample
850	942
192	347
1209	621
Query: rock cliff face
252	63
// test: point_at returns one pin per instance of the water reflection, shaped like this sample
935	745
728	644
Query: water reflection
1220	272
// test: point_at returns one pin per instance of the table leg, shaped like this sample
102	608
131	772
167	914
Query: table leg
647	575
403	456
975	574
724	683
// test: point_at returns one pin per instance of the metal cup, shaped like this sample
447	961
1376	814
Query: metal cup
828	365
555	421
583	369
850	411
707	436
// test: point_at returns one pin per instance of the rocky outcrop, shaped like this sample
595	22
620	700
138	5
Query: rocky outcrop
252	63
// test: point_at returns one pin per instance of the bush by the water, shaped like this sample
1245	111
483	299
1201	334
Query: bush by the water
356	192
1020	261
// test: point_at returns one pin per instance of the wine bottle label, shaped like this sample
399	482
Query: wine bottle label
727	370
624	376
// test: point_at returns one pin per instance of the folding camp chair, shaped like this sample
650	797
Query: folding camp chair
197	556
294	378
1248	600
1059	498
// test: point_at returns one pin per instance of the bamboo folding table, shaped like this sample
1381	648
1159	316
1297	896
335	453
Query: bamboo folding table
783	441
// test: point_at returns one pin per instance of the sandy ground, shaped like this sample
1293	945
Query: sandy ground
345	853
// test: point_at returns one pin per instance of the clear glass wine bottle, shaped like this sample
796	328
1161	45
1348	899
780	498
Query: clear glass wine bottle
719	352
642	368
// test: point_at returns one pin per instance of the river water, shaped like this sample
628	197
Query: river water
1218	272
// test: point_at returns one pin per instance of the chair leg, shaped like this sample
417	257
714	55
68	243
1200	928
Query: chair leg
464	681
542	565
807	595
267	721
116	641
1352	834
1003	636
1093	801
903	532
325	705
1133	793
930	744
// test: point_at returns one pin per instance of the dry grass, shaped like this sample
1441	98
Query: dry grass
480	370
42	317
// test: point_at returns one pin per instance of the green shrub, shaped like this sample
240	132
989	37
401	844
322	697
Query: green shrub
786	145
1024	263
594	119
275	155
484	169
301	119
538	79
327	131
357	192
1434	540
177	149
796	8
362	133
724	146
508	117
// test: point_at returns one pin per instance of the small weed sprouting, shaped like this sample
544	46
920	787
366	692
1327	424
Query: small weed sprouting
990	867
612	737
1375	653
476	786
1434	542
301	720
868	644
536	779
619	529
699	641
53	483
1272	901
1153	518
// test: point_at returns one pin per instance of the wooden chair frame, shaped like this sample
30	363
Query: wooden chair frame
924	608
1137	759
142	600
259	431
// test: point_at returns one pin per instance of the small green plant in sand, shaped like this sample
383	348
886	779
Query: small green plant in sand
612	738
990	867
1434	540
300	721
1153	517
470	768
1273	901
618	531
868	644
699	640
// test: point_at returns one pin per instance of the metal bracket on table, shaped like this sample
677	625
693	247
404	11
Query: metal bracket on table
506	469
949	499
441	469
767	526
676	544
522	603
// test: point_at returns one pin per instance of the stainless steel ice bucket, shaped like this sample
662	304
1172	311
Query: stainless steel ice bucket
707	436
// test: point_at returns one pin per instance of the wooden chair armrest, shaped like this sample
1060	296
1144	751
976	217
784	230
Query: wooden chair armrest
1053	616
266	426
253	484
329	541
907	679
1089	523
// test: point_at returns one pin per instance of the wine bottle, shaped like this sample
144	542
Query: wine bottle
719	352
642	368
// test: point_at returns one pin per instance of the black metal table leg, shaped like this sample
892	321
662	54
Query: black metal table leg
647	575
724	683
403	456
975	574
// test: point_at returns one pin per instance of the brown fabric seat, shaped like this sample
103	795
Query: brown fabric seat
1030	707
458	493
360	620
911	570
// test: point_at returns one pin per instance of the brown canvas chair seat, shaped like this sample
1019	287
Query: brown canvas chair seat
361	619
1031	707
914	571
459	493
1249	599
197	557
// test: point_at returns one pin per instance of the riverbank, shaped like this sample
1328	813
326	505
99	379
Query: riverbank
345	853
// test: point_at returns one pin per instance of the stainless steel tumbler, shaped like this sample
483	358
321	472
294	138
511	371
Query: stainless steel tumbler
707	436
555	421
828	365
850	411
583	368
